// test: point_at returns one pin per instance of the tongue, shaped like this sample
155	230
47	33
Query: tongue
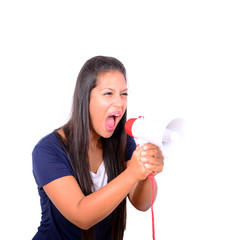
110	122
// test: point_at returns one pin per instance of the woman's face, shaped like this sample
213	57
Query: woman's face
108	102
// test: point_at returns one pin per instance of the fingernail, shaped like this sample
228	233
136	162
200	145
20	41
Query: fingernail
146	165
143	153
143	159
145	147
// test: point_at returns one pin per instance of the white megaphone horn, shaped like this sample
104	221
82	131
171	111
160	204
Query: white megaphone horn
165	134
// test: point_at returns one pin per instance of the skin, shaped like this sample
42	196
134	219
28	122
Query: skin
109	96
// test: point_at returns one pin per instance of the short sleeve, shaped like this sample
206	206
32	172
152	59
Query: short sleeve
49	161
130	147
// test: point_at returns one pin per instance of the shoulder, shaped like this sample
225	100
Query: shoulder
48	145
49	160
48	140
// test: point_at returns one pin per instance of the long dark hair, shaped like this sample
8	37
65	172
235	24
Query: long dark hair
77	132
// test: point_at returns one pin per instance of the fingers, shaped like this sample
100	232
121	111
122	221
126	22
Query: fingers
151	151
137	167
152	164
152	158
145	160
155	169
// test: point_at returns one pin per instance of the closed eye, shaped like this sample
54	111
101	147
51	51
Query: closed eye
108	93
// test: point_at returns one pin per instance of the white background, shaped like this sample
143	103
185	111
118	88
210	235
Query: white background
182	58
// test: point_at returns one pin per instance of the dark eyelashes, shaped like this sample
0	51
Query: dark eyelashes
107	93
110	93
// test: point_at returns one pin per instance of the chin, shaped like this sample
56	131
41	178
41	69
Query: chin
107	135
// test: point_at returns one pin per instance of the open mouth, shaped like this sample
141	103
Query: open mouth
113	120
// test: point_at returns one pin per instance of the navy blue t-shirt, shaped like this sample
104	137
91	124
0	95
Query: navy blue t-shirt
50	162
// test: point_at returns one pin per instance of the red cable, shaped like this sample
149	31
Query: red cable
151	177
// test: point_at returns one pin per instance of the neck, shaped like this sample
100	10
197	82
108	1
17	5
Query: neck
94	141
95	152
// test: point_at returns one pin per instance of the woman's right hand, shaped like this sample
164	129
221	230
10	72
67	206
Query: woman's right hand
136	166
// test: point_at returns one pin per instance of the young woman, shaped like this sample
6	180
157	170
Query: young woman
85	169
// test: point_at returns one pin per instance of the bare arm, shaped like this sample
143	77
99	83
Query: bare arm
141	194
86	211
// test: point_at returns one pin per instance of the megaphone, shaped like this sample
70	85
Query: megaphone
166	134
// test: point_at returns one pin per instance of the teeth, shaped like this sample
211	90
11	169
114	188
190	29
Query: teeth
117	115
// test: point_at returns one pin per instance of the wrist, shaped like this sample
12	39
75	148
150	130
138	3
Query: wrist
130	176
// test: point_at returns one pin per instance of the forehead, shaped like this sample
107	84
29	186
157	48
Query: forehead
113	78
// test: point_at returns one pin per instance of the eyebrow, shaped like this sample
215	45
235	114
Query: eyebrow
124	90
114	90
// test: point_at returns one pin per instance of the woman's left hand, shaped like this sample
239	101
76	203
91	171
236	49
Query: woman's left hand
152	158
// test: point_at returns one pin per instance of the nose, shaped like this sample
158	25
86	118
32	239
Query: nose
119	101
